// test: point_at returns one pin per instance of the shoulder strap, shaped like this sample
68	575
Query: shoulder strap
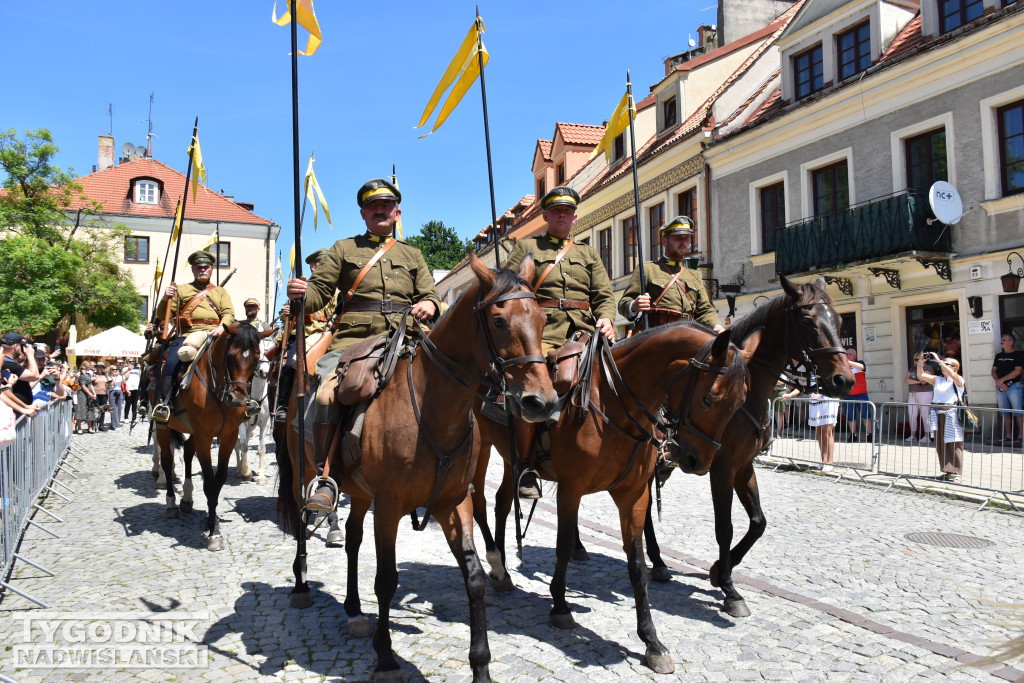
558	257
366	269
669	286
193	303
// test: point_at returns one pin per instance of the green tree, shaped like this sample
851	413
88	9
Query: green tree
440	245
56	263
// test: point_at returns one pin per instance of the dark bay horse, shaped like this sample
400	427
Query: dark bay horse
698	377
419	445
803	326
212	406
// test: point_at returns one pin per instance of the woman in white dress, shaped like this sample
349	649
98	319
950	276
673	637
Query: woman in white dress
942	422
824	412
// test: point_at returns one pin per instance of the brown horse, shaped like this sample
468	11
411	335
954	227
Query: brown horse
803	326
696	377
419	444
212	406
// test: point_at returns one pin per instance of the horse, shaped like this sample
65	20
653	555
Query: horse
259	391
804	325
696	377
419	443
212	406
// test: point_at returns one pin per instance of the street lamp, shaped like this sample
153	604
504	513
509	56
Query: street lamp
1011	281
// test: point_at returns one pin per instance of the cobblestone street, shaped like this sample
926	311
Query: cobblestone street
837	590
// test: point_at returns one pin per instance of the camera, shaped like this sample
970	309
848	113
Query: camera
50	363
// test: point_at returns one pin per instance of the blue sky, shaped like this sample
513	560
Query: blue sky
359	96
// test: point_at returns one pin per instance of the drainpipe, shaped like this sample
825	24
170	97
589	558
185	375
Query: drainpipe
707	215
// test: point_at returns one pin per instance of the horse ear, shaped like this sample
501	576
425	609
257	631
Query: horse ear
789	288
484	274
750	344
721	344
233	327
528	268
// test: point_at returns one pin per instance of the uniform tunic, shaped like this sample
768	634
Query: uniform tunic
579	276
203	311
658	274
400	276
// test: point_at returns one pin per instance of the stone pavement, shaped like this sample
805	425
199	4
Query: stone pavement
837	589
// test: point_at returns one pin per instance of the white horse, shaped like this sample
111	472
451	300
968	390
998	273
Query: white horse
259	391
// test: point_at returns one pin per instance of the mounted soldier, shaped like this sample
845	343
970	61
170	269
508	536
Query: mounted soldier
673	292
199	311
381	278
315	322
572	287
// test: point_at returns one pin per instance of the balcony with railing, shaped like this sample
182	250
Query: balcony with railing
876	230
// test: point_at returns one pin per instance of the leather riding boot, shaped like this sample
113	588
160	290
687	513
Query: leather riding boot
284	392
162	409
529	485
325	495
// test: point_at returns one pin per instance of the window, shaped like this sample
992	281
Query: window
773	214
561	173
807	72
541	188
1011	147
585	240
854	48
628	245
831	189
926	159
146	192
222	253
144	310
1011	318
956	13
687	203
604	248
655	219
620	147
669	112
136	250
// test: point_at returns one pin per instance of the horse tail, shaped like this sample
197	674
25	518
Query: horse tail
287	510
177	439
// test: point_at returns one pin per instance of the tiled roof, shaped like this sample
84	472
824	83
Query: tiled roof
545	149
646	102
905	41
774	101
580	133
112	187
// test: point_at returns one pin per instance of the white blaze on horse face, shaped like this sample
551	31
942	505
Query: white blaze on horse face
245	354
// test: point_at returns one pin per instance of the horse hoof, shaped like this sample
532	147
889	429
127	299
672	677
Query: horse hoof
563	621
501	585
661	574
392	676
335	539
186	507
359	627
737	608
301	599
713	575
215	543
580	555
171	513
261	480
660	663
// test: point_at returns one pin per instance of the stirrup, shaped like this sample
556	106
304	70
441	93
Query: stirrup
315	497
252	408
281	415
530	492
161	413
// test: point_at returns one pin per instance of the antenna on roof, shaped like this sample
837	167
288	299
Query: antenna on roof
110	111
149	133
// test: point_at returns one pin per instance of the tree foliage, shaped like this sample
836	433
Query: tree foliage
55	263
440	245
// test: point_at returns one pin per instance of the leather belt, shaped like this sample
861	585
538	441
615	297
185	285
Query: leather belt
564	304
185	321
386	306
316	319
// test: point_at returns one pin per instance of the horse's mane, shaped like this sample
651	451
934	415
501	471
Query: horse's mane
247	338
637	339
810	293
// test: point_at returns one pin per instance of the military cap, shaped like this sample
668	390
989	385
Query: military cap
565	196
680	225
316	256
252	300
200	258
375	189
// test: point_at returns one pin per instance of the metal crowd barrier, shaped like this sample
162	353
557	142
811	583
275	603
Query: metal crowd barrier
28	468
990	465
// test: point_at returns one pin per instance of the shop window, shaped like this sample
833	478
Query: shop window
934	328
1011	318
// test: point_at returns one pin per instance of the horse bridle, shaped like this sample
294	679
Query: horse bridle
808	352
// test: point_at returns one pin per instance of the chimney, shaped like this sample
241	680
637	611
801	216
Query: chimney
106	152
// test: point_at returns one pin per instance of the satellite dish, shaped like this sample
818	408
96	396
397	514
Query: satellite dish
693	43
945	202
141	151
127	150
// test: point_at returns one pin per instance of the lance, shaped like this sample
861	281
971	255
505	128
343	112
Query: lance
636	196
487	137
181	229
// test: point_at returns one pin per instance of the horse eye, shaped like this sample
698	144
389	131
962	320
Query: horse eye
499	322
707	402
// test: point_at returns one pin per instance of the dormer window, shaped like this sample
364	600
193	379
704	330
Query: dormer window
807	72
146	192
956	13
561	173
620	147
853	48
669	113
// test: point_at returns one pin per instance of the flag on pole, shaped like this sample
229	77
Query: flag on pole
312	186
197	165
156	280
291	259
176	230
211	240
462	71
618	122
280	276
307	20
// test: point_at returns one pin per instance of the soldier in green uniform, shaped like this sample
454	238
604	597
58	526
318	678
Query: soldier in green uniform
397	281
315	322
673	291
198	310
572	286
252	310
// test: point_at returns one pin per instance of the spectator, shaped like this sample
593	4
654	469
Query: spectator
8	378
50	385
115	396
86	408
943	423
779	398
855	409
131	385
917	403
20	360
1007	368
824	413
101	387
